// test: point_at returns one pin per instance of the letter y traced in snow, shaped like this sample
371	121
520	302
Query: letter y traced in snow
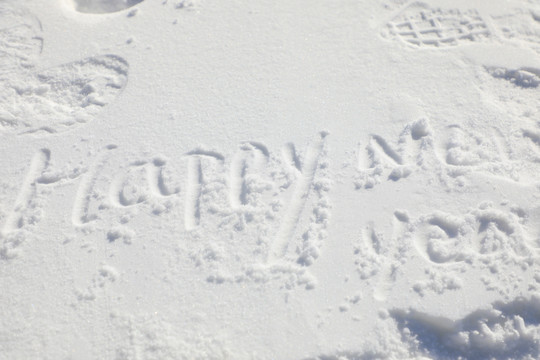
306	173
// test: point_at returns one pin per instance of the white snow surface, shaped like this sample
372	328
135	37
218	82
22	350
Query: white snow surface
307	179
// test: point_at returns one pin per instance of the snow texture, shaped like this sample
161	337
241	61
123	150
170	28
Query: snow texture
330	180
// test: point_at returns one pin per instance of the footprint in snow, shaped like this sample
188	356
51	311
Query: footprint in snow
103	6
53	99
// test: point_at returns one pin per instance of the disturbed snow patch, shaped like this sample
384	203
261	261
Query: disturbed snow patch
505	330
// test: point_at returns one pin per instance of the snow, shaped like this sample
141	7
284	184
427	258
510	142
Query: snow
191	179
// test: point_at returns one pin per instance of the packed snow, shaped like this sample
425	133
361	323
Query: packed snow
324	180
